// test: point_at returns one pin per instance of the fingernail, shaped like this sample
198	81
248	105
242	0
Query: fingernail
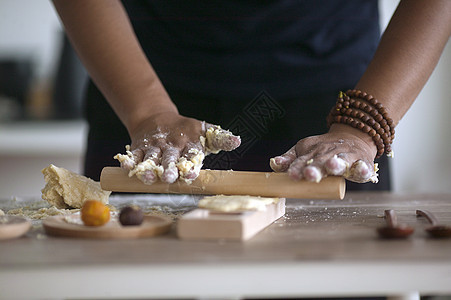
170	174
279	163
336	166
312	173
362	169
192	174
147	177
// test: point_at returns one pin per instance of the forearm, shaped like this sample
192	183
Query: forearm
407	54
104	39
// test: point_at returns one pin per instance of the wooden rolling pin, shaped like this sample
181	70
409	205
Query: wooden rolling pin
217	182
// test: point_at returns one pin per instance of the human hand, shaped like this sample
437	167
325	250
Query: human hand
343	151
170	146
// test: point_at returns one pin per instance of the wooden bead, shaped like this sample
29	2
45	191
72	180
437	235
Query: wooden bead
364	112
377	126
372	132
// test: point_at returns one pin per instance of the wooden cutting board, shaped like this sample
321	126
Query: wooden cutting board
202	224
151	226
217	182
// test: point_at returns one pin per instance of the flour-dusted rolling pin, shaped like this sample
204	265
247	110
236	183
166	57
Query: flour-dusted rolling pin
216	182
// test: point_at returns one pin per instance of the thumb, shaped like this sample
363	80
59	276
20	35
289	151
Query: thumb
217	139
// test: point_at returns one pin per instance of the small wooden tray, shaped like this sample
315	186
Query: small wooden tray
13	227
202	224
151	226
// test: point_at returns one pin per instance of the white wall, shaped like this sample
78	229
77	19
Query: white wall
423	140
422	146
422	143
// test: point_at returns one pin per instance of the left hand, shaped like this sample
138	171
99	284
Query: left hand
343	151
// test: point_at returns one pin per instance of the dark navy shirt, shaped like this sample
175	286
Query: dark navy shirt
268	70
239	48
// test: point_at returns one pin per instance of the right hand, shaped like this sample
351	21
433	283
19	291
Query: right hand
168	146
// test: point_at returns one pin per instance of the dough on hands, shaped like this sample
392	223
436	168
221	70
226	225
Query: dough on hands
236	203
66	189
184	165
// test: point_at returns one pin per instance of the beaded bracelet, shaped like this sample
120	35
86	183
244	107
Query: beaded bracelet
362	111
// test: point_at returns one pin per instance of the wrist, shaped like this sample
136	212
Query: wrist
363	112
346	131
148	104
156	114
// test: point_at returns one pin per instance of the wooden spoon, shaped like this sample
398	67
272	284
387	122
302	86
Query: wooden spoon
435	230
393	230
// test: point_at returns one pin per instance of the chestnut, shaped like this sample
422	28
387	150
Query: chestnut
131	216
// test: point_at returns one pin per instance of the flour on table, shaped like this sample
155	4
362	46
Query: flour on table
41	213
66	189
236	203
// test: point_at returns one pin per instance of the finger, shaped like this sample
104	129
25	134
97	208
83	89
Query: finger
147	176
295	170
361	172
191	162
153	153
129	160
169	159
282	162
313	173
336	166
147	171
218	139
305	167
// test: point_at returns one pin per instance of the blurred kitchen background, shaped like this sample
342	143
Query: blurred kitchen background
42	81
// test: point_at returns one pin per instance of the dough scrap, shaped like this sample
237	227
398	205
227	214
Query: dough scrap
236	203
65	189
195	163
141	169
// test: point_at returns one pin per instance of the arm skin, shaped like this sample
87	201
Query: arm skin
407	54
103	37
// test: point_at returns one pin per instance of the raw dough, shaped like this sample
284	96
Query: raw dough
66	189
2	213
195	163
236	203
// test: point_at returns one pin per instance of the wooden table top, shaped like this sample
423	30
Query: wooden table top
317	241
